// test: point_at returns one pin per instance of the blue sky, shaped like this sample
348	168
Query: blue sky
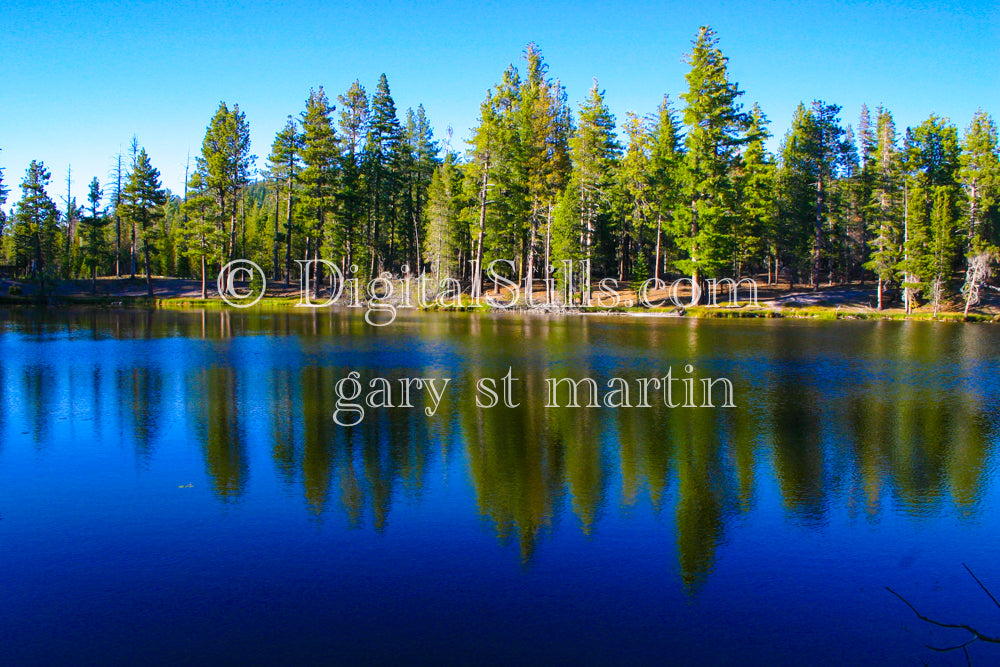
78	79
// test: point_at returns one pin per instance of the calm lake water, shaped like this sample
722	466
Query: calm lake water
174	490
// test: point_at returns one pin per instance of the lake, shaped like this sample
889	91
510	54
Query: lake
174	489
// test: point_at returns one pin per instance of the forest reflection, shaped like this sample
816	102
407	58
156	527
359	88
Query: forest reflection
831	416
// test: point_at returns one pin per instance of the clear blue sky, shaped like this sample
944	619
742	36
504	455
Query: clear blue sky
78	79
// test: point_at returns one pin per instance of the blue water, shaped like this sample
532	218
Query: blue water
173	490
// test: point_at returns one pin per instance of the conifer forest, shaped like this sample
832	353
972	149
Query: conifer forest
687	189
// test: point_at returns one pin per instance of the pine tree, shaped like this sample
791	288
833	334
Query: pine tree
826	148
94	243
595	152
716	130
885	231
811	159
851	222
496	178
796	176
353	123
868	143
36	222
143	199
447	238
225	165
944	243
421	161
633	175
319	177
754	228
284	163
381	166
980	178
667	177
204	240
930	165
544	126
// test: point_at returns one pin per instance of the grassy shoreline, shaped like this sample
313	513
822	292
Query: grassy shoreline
765	311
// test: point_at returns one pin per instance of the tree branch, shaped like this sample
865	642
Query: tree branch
957	626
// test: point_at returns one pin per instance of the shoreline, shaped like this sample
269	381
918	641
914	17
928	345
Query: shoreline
277	304
839	302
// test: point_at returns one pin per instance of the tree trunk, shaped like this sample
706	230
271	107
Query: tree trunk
277	231
548	256
659	224
819	233
149	276
529	282
288	234
477	278
131	251
118	222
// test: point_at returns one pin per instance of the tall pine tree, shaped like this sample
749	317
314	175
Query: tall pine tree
36	220
319	178
94	243
143	199
225	165
284	163
717	128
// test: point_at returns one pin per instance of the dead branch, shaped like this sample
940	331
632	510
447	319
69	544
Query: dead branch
976	634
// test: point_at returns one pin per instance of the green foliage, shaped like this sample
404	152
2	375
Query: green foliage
696	192
420	160
931	162
756	188
595	155
319	172
979	175
225	165
142	204
284	164
446	235
36	220
95	247
667	170
203	238
382	162
717	129
885	220
495	154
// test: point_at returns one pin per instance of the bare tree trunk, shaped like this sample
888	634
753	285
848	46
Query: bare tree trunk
131	251
659	226
548	255
149	276
530	274
819	233
277	230
906	255
477	278
118	221
315	288
416	238
288	233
